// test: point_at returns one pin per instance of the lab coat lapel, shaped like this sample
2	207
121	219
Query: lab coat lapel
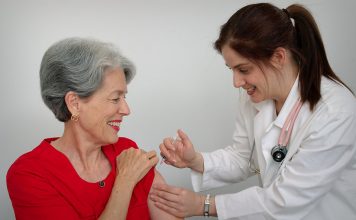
301	126
262	122
271	137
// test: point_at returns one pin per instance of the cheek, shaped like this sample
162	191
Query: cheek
262	84
93	115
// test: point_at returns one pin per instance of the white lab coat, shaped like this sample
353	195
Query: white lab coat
317	179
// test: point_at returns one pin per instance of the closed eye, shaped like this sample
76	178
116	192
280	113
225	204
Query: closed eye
243	71
117	100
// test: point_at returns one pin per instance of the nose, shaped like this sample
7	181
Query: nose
238	80
124	108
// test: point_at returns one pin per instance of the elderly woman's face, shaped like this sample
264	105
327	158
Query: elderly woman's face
102	113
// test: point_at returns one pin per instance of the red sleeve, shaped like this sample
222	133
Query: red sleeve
34	198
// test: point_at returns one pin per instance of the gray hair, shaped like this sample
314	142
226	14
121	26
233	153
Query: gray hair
78	65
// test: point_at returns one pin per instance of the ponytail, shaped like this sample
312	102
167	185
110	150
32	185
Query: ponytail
311	55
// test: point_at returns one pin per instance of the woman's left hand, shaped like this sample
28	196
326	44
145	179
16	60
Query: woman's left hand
177	201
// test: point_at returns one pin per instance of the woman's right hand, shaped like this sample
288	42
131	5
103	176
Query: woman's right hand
180	152
133	164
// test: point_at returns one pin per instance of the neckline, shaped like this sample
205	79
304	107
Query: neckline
63	157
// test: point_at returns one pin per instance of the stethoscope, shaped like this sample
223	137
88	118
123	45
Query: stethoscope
279	151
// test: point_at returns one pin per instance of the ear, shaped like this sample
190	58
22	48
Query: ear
279	57
72	101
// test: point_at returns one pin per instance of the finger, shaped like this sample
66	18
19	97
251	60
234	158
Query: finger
153	161
166	188
180	147
151	154
167	162
125	153
168	209
164	196
185	139
165	153
151	157
176	138
168	143
158	199
133	151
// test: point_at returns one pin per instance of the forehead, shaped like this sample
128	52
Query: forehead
231	57
114	80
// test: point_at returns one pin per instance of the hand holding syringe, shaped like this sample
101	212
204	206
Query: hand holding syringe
164	157
179	151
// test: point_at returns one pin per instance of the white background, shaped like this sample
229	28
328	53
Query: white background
181	80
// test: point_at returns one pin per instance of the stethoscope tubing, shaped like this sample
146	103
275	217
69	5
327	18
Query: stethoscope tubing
279	151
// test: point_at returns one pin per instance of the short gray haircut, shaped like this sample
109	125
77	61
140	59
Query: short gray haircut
78	65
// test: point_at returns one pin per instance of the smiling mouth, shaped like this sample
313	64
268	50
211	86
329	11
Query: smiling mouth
115	124
251	90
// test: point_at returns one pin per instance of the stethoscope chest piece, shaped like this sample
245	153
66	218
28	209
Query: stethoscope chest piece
278	153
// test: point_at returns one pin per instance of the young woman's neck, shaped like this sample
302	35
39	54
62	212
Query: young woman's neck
288	77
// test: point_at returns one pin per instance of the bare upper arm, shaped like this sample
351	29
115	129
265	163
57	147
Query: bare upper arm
156	213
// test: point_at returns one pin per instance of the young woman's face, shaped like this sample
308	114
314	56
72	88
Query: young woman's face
102	113
259	85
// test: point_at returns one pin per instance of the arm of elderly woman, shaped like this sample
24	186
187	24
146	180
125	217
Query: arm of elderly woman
132	165
155	212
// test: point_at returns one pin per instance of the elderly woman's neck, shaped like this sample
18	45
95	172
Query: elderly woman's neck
77	148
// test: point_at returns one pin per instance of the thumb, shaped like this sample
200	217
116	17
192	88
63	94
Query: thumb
185	139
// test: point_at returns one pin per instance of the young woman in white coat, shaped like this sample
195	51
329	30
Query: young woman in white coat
295	127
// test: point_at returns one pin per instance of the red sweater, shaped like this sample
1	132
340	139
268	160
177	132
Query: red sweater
43	184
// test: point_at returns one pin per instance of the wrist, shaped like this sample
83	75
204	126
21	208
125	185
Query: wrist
197	164
123	181
200	205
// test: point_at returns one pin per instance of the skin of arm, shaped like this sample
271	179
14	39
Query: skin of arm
155	212
119	200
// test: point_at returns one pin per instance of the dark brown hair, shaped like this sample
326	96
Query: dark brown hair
256	30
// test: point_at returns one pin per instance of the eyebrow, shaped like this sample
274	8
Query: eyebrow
120	92
237	66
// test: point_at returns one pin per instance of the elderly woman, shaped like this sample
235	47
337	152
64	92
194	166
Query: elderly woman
88	172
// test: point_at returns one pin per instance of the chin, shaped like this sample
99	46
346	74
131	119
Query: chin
257	97
112	139
256	100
